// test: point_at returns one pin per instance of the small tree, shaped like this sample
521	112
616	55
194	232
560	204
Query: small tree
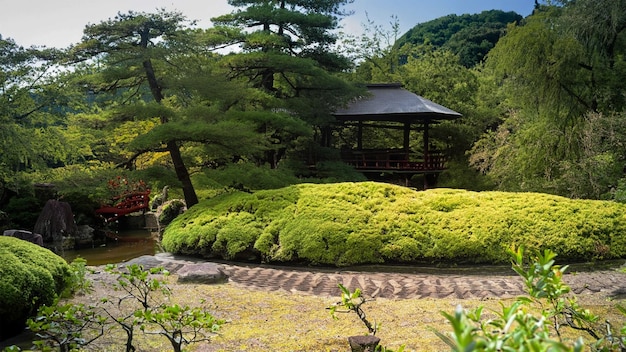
352	302
180	325
139	287
142	304
67	326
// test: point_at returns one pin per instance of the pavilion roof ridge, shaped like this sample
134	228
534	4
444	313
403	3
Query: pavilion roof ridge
392	102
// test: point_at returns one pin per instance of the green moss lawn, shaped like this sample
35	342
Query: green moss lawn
367	222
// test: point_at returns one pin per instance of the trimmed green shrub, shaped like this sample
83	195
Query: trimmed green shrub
369	222
171	209
31	276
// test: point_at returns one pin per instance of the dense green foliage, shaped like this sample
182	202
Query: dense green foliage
287	54
31	276
558	73
355	223
468	36
33	103
517	327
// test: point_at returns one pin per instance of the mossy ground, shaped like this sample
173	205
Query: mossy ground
284	321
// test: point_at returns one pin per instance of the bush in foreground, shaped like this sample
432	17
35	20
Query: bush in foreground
368	222
143	304
31	276
520	328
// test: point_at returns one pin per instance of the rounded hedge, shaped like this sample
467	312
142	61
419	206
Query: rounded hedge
31	276
368	222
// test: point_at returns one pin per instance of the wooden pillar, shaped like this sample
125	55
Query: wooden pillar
407	136
406	145
426	153
359	136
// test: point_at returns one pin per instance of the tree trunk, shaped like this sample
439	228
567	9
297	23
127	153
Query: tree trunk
182	174
189	192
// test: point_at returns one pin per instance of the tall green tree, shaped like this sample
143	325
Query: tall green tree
600	28
280	35
141	60
554	80
375	51
287	52
33	100
129	44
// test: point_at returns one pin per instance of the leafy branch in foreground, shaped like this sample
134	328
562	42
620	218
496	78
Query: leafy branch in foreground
142	304
78	282
516	328
181	325
139	287
66	326
352	302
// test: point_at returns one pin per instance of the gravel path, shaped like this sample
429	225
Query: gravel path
382	282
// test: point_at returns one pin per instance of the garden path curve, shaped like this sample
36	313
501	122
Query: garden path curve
399	283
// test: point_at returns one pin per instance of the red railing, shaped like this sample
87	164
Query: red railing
125	204
393	160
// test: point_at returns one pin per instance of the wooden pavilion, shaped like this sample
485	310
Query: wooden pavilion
390	106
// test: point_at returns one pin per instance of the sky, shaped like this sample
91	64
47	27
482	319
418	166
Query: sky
59	23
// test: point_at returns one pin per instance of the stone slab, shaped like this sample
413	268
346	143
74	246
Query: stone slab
201	273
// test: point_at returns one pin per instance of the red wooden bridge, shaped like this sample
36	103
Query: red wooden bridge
124	205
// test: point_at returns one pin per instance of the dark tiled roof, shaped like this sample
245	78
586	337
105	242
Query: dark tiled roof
391	102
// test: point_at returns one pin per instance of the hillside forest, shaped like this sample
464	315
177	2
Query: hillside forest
248	102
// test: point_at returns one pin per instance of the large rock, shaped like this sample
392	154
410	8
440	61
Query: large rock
85	233
201	273
56	221
25	235
188	270
146	261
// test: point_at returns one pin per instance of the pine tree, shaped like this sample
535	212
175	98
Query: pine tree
287	52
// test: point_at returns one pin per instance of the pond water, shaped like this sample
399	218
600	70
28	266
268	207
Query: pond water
129	244
135	243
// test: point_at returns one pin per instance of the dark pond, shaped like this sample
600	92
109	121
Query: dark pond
129	244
